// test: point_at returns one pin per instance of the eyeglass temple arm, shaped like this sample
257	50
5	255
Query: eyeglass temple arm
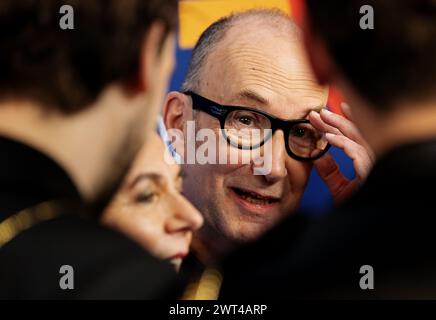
206	105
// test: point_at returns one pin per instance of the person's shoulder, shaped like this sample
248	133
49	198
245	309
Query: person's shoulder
98	263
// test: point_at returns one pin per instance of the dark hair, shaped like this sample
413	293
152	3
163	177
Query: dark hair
393	62
66	70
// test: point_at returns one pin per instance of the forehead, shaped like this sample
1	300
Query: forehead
260	67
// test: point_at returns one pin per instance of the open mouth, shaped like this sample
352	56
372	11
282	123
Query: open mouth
254	198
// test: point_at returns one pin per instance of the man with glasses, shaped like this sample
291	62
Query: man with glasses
249	73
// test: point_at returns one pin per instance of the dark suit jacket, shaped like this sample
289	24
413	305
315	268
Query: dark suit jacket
390	225
105	263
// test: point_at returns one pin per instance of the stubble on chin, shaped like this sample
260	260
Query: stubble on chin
117	169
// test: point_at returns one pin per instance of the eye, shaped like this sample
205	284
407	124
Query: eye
146	197
299	132
245	120
303	135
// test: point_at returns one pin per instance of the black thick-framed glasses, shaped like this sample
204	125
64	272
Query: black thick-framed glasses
249	128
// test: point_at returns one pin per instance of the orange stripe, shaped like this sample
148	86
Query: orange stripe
197	15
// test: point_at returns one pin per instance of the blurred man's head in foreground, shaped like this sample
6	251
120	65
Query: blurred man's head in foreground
388	73
87	96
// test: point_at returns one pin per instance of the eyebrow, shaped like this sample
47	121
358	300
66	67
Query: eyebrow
253	96
257	98
152	176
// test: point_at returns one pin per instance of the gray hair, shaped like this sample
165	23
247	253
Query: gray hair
216	32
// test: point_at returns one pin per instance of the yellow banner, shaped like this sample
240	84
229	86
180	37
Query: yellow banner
197	15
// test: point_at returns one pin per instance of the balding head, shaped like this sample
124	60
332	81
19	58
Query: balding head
272	21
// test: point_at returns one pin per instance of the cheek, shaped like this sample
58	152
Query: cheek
232	157
299	173
204	179
143	224
151	231
212	148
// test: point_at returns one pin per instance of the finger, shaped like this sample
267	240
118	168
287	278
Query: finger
319	124
348	113
362	161
329	172
345	126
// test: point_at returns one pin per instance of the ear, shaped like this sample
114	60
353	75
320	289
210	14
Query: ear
319	57
151	46
177	110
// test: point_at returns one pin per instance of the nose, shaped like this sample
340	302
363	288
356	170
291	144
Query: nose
184	216
277	156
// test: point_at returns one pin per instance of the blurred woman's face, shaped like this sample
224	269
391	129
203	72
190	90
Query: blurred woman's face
150	209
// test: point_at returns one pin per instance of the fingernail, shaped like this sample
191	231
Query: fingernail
326	111
329	135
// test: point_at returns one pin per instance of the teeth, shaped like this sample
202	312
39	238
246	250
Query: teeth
253	198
